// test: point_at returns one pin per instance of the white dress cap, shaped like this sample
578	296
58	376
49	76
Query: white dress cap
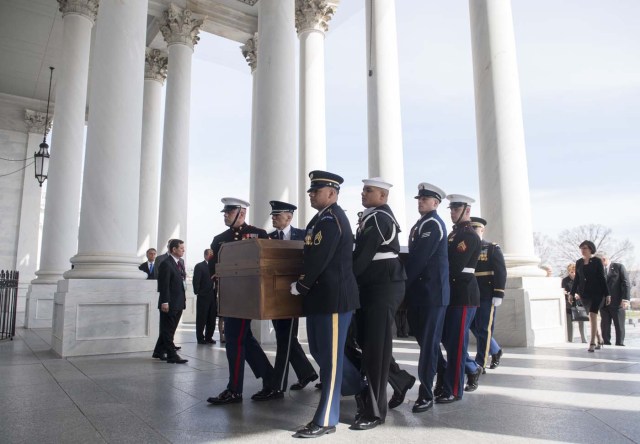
429	190
232	202
377	182
458	200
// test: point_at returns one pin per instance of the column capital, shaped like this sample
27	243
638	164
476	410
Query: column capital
313	15
85	8
155	65
35	120
180	26
250	52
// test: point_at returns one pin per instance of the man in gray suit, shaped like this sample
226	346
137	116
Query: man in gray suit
619	289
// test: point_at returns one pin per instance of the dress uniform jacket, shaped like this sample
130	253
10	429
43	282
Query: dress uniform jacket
427	265
464	251
491	271
244	231
328	284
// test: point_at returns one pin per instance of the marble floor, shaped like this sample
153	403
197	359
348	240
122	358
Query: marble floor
553	394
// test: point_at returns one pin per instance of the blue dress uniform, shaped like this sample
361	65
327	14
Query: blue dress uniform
491	274
464	250
329	296
240	343
288	349
380	276
427	286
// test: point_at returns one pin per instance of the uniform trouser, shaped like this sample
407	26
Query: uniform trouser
206	312
168	324
482	328
570	329
241	346
427	323
402	325
455	338
327	334
289	350
617	314
375	320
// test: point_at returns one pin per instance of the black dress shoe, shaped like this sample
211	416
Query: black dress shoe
304	382
201	342
398	397
226	397
366	423
319	386
210	341
606	343
472	380
495	359
313	430
620	345
267	395
422	405
161	356
446	399
176	360
177	347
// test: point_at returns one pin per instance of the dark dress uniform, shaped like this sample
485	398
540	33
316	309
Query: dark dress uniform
464	251
491	274
288	349
427	293
240	343
380	276
330	295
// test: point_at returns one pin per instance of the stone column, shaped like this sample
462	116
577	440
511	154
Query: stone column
28	236
312	17
383	104
105	304
180	30
250	53
275	124
533	310
155	72
60	229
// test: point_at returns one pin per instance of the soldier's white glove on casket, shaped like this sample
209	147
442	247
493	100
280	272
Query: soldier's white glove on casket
496	302
294	289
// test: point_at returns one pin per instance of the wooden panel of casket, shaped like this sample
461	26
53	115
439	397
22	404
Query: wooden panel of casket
254	279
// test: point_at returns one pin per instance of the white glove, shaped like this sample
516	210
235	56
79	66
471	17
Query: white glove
496	302
294	289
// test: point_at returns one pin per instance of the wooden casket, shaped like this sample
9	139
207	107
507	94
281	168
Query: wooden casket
254	279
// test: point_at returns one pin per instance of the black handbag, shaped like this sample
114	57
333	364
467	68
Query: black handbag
579	313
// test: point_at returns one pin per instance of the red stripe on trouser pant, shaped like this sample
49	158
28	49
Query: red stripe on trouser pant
236	369
456	381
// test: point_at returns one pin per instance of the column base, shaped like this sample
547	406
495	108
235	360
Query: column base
102	316
105	266
21	306
532	313
523	266
38	311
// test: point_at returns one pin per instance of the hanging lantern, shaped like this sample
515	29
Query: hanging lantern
41	157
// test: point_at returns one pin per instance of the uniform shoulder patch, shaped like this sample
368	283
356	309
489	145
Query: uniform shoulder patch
318	238
462	247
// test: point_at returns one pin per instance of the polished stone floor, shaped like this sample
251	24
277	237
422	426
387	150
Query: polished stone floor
553	394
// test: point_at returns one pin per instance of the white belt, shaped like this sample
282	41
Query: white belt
468	270
388	255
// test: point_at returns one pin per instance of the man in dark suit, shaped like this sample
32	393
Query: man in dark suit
241	345
171	301
329	295
149	266
427	287
619	289
206	304
288	349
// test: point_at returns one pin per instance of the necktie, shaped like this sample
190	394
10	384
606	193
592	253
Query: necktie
150	267
280	234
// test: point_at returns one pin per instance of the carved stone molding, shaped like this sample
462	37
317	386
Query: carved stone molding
155	65
35	120
250	52
87	8
313	15
179	26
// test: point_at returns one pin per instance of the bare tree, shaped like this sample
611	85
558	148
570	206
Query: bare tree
569	240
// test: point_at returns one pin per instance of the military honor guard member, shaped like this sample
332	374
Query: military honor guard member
241	345
288	349
491	274
427	286
464	251
380	276
329	296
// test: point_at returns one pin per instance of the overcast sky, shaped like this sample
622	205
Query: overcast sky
579	64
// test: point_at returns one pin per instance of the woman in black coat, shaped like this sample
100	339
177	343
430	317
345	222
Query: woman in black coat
567	284
590	287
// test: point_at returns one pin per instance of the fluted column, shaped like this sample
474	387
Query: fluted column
60	229
275	110
383	103
180	30
155	72
109	218
502	162
312	17
250	53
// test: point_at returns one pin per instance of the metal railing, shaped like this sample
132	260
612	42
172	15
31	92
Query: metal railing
8	303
